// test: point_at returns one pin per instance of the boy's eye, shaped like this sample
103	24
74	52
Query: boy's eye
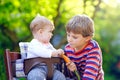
75	37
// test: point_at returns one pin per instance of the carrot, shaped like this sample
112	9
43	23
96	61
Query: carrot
67	60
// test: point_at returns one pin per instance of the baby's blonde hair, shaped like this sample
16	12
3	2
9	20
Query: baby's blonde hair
81	24
39	22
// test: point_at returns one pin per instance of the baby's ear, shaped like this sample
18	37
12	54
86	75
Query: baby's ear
88	38
40	30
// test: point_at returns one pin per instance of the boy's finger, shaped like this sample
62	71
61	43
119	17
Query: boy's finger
69	63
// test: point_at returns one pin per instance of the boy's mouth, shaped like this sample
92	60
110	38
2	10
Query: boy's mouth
71	44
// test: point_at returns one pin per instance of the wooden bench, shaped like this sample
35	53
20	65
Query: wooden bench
10	58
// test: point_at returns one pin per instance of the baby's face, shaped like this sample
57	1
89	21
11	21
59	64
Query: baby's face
47	34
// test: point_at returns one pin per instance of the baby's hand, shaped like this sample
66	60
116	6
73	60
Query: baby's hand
59	52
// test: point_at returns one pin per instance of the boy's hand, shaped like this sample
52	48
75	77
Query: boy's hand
71	66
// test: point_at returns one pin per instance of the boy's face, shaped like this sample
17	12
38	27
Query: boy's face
77	41
46	34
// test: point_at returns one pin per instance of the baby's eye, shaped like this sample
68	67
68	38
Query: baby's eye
50	31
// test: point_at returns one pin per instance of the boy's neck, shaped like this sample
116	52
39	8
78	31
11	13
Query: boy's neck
81	48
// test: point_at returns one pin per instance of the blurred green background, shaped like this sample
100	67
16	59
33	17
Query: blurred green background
16	15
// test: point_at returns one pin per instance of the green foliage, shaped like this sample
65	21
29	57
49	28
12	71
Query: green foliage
16	15
108	36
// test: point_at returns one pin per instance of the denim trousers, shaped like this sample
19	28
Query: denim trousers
40	73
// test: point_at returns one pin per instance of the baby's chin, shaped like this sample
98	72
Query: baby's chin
46	42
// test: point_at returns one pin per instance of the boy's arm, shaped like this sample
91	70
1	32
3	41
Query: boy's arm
92	66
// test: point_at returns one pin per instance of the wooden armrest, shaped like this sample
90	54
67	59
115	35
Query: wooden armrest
32	62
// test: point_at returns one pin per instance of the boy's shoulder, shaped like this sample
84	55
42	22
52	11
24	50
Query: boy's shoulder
94	43
68	48
93	46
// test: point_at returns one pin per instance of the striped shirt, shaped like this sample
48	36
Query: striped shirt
87	60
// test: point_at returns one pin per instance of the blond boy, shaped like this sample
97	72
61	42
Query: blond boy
84	52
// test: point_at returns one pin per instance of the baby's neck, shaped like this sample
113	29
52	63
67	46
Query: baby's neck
43	42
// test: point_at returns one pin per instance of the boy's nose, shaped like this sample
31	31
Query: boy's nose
69	39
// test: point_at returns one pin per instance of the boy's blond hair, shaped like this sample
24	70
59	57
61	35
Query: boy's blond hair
81	24
39	22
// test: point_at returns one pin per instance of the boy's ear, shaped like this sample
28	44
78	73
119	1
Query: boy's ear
88	38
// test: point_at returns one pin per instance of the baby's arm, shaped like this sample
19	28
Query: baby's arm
57	53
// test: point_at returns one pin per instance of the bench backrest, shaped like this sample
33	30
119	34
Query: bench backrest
8	58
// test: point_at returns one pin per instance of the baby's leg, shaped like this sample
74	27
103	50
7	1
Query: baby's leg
38	73
58	75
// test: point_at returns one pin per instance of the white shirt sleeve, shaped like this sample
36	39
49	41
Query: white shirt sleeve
36	49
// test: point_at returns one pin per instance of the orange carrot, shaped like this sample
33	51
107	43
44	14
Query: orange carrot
67	60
